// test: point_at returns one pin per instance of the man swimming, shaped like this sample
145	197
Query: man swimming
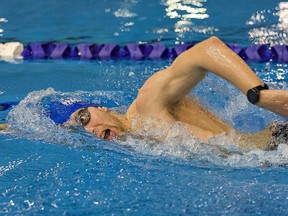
163	97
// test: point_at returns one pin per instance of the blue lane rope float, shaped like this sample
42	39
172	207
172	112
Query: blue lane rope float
90	51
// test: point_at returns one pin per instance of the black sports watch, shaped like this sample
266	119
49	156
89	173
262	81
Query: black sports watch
253	95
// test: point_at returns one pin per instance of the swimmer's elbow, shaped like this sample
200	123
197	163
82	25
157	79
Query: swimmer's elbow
200	51
214	40
205	45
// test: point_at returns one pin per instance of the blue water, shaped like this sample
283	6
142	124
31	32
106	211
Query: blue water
44	170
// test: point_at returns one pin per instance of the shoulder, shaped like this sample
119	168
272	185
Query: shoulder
151	95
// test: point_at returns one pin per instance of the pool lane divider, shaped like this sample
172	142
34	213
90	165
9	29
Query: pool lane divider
133	51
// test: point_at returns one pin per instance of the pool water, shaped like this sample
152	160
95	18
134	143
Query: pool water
46	170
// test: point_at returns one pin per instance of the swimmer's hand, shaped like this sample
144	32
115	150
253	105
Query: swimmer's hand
275	101
3	126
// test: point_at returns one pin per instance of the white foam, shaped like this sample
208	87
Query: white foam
178	142
28	120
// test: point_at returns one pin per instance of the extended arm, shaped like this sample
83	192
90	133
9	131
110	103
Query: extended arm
212	55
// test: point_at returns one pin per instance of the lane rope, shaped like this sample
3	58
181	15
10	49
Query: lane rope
133	51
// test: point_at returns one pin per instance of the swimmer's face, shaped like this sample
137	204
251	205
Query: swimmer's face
98	121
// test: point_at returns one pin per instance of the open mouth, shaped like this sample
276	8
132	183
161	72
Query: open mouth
107	134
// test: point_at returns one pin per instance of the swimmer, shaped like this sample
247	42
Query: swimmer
163	97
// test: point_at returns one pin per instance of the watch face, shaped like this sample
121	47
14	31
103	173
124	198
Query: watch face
253	94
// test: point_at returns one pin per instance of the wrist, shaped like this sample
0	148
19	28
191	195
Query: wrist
253	94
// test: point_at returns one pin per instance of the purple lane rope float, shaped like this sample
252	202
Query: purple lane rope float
91	51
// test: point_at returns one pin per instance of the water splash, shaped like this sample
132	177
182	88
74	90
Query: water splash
28	119
178	143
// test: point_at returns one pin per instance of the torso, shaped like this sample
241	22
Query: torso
201	123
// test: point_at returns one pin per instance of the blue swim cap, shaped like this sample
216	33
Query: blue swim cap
60	109
61	113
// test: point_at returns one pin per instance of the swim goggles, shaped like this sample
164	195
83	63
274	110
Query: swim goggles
83	117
